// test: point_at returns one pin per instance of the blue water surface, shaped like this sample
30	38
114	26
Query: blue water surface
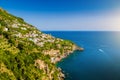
99	61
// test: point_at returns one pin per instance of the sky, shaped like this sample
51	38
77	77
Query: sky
71	15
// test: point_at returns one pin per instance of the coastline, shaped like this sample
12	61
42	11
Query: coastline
75	48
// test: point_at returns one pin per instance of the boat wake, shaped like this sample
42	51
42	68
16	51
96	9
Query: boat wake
101	50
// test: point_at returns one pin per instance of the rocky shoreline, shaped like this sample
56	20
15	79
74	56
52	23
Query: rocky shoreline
75	48
56	56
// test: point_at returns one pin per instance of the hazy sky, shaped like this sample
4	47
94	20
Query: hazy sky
67	14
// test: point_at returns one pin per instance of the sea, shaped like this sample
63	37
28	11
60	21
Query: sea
100	59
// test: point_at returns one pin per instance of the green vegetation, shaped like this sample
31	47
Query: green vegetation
26	53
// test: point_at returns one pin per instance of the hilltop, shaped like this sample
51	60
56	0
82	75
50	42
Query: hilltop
27	53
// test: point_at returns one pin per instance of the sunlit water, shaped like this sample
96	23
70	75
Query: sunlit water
99	61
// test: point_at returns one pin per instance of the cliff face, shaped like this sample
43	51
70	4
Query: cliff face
28	54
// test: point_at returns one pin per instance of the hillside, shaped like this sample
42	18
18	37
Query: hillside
28	54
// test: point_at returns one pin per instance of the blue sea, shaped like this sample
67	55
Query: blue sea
100	59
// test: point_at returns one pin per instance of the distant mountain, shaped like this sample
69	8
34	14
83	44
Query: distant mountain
28	54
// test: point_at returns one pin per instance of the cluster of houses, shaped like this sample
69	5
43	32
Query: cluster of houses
34	35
